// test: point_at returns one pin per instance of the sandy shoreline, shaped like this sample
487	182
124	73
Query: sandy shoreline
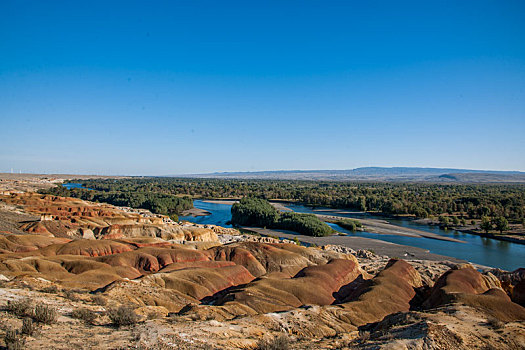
370	225
195	212
377	246
384	227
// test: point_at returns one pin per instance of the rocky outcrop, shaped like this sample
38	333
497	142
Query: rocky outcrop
199	283
518	293
26	243
469	287
153	259
312	285
389	292
464	280
74	218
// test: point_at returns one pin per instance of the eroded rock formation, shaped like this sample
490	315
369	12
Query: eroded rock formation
249	286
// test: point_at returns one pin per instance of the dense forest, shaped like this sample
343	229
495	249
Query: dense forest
468	201
259	212
159	203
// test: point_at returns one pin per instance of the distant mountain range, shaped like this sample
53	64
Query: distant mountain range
440	175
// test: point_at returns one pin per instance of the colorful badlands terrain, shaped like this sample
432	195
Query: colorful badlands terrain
198	287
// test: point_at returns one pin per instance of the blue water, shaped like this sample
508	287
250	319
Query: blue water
72	185
220	214
481	250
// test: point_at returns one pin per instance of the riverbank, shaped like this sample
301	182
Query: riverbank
480	250
379	247
384	227
370	225
195	212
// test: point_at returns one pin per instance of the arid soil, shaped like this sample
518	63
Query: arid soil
119	278
34	182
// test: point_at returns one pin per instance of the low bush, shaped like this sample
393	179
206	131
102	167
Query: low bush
349	224
71	295
45	314
122	316
20	307
278	343
99	300
84	314
495	323
363	337
50	289
13	340
28	327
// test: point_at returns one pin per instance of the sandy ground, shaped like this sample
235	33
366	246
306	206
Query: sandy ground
384	227
356	243
11	219
195	212
35	182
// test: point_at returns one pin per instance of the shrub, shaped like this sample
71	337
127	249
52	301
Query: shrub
99	300
13	340
84	314
306	224
45	314
495	323
50	289
70	295
19	307
278	343
349	224
28	327
122	316
363	337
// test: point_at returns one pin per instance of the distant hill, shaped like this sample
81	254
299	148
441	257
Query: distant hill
440	175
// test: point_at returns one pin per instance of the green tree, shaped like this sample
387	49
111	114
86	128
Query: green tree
501	224
443	220
485	224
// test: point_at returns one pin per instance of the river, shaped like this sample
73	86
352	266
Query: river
72	185
480	250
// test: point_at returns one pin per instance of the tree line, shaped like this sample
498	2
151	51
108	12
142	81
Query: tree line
464	201
158	203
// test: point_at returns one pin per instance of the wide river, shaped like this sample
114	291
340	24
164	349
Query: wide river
480	250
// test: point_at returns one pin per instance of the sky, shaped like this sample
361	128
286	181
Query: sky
181	87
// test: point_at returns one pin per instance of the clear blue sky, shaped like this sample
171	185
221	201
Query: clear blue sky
195	86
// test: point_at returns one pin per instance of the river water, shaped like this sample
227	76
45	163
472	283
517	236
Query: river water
72	185
480	250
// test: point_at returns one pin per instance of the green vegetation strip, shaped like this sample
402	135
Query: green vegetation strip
260	213
158	203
